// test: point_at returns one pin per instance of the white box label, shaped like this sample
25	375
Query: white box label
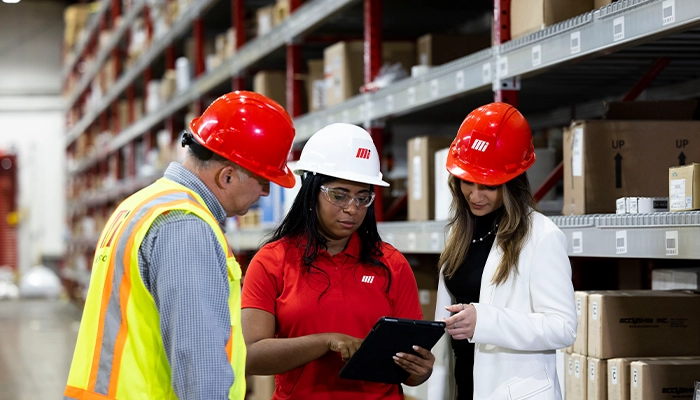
594	310
485	73
578	307
411	95
671	243
571	365
390	103
634	377
577	242
417	189
613	372
435	241
577	369
575	42
412	241
536	55
577	153
591	366
618	28
621	242
677	194
502	65
668	11
434	89
459	79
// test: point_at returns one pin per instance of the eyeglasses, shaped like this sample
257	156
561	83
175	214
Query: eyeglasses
341	199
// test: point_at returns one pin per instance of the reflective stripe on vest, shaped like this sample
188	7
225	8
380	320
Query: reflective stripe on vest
116	293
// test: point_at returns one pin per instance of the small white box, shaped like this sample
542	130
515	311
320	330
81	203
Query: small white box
621	206
631	205
646	205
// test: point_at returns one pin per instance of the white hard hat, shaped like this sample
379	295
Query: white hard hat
343	151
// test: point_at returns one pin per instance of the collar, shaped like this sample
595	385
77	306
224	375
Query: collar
179	174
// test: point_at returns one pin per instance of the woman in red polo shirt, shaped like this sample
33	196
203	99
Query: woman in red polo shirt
324	279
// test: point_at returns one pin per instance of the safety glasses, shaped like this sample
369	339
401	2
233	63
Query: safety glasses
342	199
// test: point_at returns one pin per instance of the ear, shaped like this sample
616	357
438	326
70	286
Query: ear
223	177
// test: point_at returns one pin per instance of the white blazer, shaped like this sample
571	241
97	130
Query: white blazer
519	324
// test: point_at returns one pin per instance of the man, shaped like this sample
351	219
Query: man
162	315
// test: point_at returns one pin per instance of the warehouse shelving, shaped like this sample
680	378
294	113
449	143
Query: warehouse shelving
657	235
90	33
606	38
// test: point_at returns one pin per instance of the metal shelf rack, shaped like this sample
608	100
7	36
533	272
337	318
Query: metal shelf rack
658	235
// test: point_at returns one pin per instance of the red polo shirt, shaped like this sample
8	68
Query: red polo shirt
353	302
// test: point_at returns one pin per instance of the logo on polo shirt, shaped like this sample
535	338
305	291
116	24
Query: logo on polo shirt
362	153
368	278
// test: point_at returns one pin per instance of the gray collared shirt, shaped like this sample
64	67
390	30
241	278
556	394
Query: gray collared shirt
184	269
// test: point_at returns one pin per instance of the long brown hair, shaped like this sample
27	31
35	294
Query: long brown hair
513	228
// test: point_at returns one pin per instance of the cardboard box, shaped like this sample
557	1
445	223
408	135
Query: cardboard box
315	85
435	49
343	66
619	379
443	196
263	387
643	323
619	376
577	387
663	379
529	16
281	11
602	3
675	279
607	160
684	187
597	379
421	175
265	18
272	84
580	346
428	302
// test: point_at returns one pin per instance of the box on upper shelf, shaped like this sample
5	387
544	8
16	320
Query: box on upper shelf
272	84
438	48
684	187
529	16
624	156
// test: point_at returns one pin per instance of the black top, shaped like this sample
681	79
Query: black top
465	286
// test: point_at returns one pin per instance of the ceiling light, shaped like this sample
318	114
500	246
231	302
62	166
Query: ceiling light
10	1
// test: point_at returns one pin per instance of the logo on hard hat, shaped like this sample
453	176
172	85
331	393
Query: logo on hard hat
480	145
363	153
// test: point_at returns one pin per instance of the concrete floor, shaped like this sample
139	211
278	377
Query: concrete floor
37	338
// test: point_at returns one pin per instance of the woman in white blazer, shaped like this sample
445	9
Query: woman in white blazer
505	287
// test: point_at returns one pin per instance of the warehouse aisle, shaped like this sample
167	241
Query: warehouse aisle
37	338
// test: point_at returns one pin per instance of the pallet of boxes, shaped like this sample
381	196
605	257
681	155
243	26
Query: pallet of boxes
637	344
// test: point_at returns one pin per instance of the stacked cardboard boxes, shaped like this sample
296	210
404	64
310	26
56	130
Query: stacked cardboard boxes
621	327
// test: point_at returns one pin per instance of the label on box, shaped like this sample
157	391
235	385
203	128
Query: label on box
577	369
594	310
613	372
577	153
417	189
592	368
571	365
578	306
677	194
634	377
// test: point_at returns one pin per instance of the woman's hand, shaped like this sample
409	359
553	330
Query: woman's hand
419	367
344	344
461	325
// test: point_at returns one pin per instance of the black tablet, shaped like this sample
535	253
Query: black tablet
374	362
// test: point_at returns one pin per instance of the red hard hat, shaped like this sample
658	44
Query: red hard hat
493	145
251	130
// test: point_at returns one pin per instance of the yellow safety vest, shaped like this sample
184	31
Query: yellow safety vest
119	353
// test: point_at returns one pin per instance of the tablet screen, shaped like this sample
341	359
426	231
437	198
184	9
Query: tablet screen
374	362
